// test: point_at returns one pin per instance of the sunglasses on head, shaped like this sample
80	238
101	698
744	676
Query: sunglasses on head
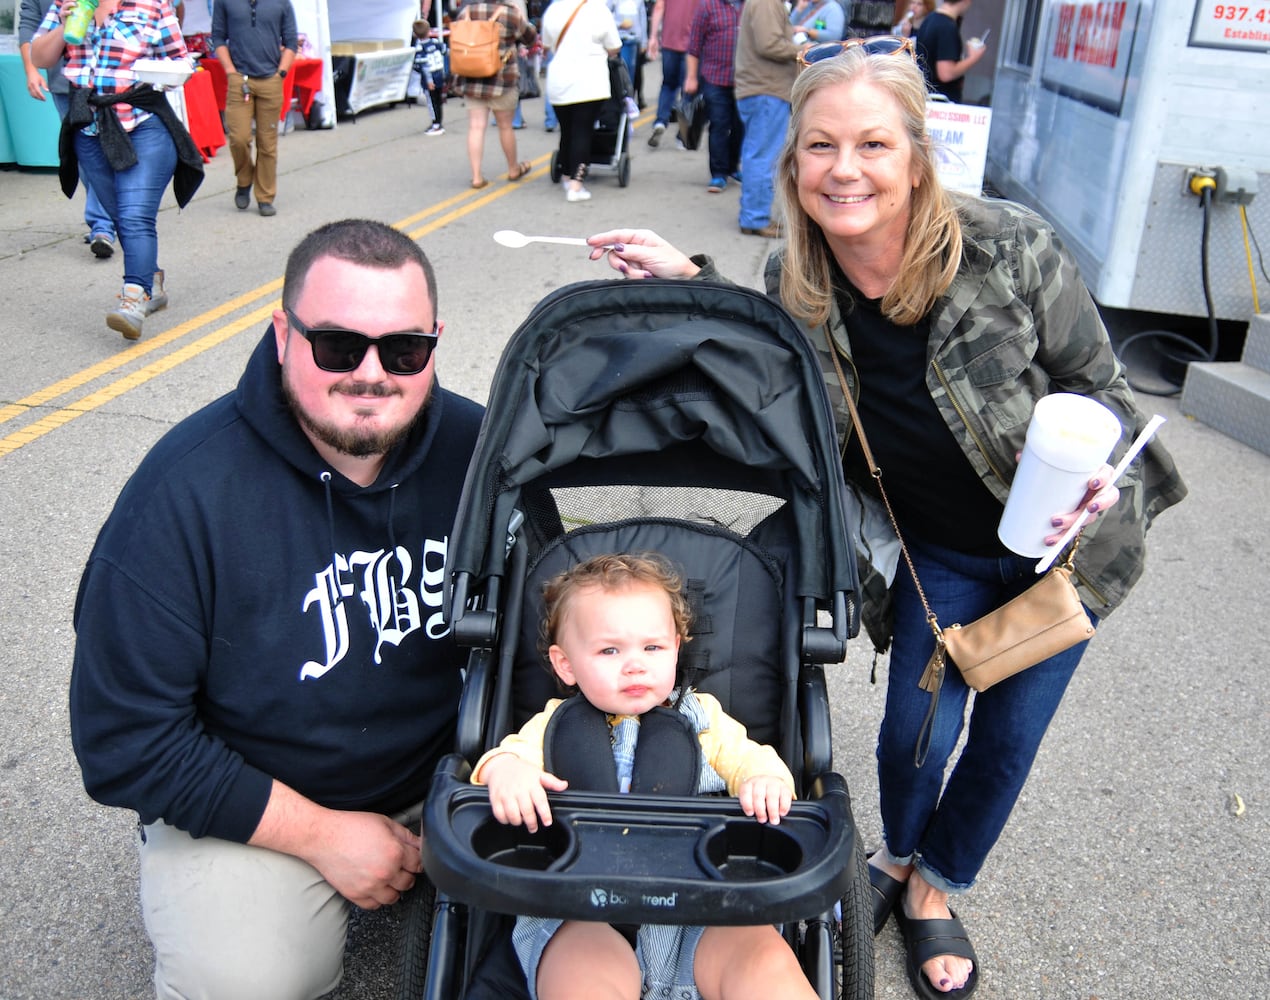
336	350
878	45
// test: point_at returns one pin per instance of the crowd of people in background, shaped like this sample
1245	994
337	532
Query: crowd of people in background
733	62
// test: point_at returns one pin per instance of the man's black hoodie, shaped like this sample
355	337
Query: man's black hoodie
248	613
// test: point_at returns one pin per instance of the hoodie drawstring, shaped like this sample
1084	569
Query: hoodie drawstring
336	597
326	478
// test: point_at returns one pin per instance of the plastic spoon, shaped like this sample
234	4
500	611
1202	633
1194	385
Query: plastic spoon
515	240
1139	443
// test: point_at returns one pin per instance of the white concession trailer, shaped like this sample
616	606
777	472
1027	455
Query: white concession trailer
1102	113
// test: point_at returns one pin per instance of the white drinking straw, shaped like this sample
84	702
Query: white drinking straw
1139	443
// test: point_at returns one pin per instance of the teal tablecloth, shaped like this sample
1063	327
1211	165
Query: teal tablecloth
28	128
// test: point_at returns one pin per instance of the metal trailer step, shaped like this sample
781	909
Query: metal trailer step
1257	345
1232	397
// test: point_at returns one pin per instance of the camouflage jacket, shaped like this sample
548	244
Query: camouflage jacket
1016	324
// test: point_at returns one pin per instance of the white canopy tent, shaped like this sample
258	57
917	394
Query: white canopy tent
322	22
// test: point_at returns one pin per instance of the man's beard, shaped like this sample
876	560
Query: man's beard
356	443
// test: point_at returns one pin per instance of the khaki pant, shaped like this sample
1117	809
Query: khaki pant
233	922
264	108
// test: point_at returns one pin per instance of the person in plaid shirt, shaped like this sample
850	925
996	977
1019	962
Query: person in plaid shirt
127	150
710	55
499	93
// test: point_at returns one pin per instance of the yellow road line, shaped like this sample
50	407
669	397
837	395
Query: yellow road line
466	203
82	378
93	400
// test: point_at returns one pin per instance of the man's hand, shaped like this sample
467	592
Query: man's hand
369	859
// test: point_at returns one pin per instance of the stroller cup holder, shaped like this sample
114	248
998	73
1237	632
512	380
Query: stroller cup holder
640	858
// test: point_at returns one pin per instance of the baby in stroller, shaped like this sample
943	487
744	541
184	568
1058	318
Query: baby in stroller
613	629
689	420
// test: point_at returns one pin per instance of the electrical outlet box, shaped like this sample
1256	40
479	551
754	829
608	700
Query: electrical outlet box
1236	185
1194	172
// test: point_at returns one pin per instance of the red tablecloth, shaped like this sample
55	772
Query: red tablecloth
304	81
200	107
219	84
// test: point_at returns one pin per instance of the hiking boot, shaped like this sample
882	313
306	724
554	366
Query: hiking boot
266	209
659	129
128	316
158	297
102	246
242	198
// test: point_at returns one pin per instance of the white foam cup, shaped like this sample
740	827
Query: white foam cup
1068	440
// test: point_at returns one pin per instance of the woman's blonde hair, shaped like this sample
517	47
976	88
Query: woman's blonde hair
932	246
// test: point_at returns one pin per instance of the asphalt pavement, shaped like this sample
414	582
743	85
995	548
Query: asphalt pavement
1137	863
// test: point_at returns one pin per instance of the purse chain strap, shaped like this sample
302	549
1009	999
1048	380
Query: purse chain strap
876	473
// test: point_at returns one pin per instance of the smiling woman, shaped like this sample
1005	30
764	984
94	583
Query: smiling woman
947	318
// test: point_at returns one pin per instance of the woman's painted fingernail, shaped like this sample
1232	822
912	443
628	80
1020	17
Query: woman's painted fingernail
1095	484
623	268
1094	508
619	247
1056	522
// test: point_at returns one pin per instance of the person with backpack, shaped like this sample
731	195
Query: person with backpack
486	74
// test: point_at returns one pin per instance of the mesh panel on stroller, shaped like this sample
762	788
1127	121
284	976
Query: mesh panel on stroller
690	419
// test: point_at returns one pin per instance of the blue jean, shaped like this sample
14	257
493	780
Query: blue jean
549	119
673	65
766	120
95	217
725	129
131	197
630	56
948	836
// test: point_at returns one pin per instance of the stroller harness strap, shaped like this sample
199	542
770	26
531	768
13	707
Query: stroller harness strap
577	746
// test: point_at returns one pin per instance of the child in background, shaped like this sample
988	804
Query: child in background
614	625
430	65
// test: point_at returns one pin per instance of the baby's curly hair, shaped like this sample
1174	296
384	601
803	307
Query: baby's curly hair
612	572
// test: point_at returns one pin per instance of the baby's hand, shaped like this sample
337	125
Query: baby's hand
517	791
765	797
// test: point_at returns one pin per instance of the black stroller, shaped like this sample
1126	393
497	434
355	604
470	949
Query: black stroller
612	133
691	419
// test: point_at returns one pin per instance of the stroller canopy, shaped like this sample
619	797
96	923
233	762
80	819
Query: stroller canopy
615	369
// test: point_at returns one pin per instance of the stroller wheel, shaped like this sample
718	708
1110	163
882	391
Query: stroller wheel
853	954
624	170
416	939
556	172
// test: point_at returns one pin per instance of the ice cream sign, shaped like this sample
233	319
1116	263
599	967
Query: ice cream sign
1087	48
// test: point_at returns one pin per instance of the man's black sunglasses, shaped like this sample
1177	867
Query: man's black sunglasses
336	350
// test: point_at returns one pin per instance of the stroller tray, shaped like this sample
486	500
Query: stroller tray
639	858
